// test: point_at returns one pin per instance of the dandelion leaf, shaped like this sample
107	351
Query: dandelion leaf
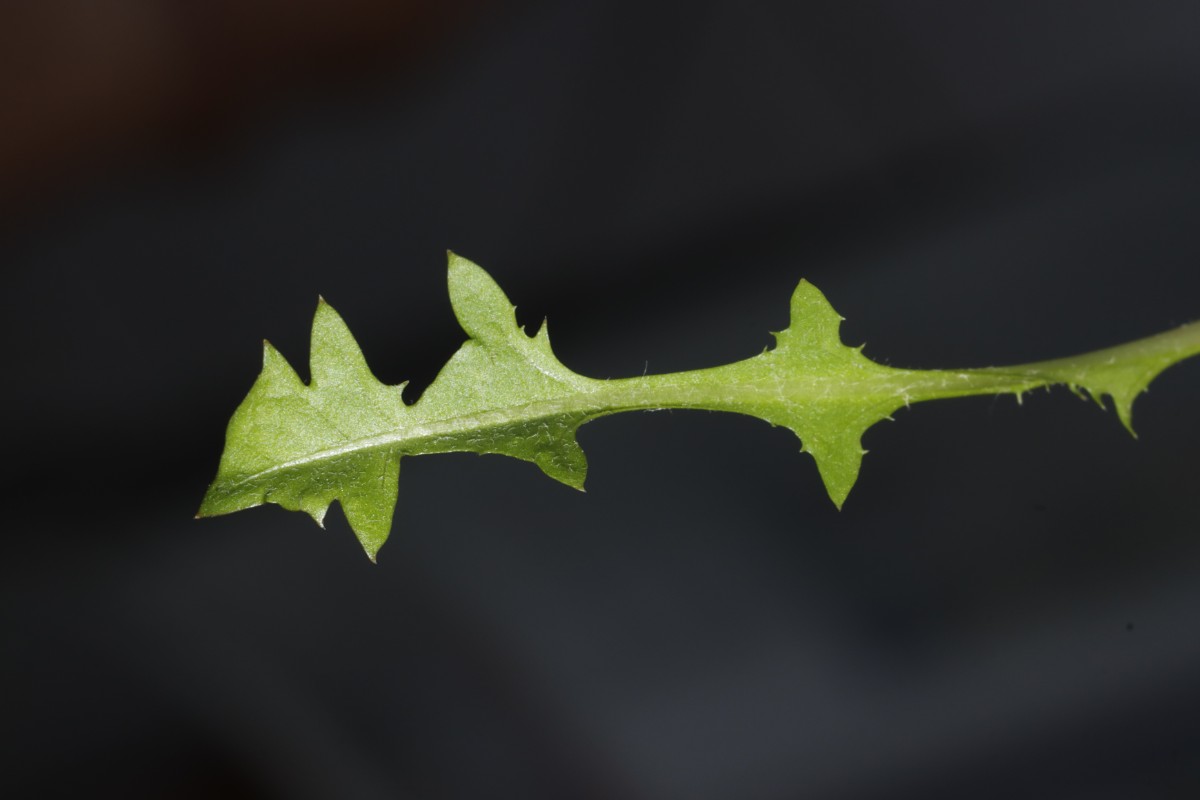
341	436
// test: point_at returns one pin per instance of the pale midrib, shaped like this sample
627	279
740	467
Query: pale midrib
707	389
670	391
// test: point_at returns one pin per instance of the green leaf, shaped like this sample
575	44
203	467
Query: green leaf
301	446
342	436
501	383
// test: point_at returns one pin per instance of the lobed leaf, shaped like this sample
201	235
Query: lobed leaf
341	437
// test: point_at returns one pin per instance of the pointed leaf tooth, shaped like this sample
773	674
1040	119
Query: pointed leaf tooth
217	501
809	302
839	460
277	376
542	337
370	503
540	343
1123	403
334	355
564	461
317	512
814	329
482	308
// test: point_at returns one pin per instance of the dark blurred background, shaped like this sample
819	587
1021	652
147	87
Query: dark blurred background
1008	606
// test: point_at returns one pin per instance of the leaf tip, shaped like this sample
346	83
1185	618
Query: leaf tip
482	308
1125	414
272	358
837	486
456	265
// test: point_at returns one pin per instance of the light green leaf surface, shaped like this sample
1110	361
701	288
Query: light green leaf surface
341	437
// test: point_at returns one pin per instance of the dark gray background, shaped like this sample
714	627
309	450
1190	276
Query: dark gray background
1008	605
